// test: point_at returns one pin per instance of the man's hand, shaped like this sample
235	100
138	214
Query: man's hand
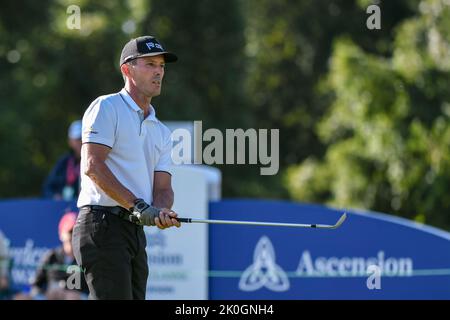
151	216
145	213
166	219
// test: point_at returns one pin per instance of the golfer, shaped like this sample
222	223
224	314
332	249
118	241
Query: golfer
125	177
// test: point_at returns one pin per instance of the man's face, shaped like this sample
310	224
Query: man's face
147	74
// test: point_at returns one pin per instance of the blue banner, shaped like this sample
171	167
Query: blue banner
371	256
31	226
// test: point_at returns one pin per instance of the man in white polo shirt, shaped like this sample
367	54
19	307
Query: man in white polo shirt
125	177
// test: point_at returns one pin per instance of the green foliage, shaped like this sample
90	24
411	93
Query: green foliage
206	84
54	75
289	45
387	131
60	71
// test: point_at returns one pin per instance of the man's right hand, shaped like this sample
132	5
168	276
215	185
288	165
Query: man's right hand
145	213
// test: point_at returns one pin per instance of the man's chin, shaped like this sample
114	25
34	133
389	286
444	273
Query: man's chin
153	93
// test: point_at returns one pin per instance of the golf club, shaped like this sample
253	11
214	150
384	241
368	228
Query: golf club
268	224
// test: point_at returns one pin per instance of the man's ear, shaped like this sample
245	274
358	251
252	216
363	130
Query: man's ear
125	69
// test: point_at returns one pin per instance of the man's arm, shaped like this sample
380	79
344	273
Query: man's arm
98	171
162	190
101	175
163	198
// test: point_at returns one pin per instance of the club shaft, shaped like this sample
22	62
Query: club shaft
256	223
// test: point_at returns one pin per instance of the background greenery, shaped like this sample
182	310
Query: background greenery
363	114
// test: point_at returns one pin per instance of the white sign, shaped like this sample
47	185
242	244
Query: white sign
178	257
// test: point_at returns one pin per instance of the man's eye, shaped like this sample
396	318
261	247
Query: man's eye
153	65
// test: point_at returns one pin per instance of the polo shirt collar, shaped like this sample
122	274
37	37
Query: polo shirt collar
135	107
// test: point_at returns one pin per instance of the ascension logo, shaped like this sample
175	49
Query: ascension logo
264	272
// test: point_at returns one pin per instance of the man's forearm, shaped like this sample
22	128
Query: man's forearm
105	179
163	198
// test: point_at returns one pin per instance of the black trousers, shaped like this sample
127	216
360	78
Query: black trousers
111	251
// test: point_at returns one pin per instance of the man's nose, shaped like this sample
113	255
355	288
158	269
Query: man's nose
159	70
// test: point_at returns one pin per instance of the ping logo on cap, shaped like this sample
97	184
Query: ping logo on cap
151	45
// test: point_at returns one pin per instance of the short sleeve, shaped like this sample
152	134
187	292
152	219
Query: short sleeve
99	123
165	158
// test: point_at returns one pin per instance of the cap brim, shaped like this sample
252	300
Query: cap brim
168	56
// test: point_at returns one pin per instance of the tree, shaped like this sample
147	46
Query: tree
49	77
387	131
289	44
54	72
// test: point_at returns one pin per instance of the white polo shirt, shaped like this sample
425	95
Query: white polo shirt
139	147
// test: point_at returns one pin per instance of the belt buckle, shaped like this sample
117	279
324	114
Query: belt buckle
128	216
133	219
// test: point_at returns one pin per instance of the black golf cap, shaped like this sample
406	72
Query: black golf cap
145	46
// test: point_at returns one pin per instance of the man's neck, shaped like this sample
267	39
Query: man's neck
142	101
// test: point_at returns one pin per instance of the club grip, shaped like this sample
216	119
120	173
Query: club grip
186	220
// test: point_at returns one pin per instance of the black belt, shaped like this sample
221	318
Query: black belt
118	211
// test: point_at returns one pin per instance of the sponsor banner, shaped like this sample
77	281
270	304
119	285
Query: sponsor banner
371	256
31	226
178	257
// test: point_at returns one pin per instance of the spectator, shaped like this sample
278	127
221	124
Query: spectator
63	182
6	290
4	268
52	275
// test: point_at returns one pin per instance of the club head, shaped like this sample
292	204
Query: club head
340	221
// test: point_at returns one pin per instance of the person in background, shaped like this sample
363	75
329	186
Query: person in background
7	292
63	182
51	281
4	268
